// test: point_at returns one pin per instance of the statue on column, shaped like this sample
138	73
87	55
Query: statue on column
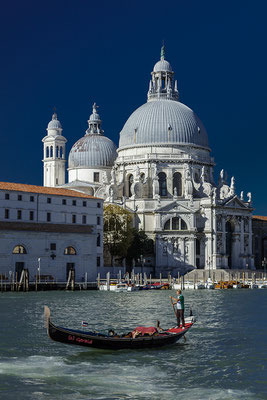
113	175
155	186
203	175
137	173
232	187
188	186
221	178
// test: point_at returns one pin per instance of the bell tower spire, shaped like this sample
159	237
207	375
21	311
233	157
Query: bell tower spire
54	153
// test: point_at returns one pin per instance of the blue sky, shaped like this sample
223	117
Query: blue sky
69	54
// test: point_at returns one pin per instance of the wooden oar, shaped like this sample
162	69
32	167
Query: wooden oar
173	308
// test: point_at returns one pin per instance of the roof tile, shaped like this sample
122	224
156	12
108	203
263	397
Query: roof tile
21	187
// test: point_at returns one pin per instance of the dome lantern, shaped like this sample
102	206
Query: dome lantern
94	122
161	86
163	119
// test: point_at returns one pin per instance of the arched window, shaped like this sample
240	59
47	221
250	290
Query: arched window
177	184
162	184
130	182
175	224
167	225
61	152
51	151
47	151
98	240
197	247
19	249
183	225
142	177
57	152
70	251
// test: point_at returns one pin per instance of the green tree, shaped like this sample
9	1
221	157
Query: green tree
118	230
141	245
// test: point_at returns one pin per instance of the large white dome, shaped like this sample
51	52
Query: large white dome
162	122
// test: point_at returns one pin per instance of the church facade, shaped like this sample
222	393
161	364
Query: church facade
162	172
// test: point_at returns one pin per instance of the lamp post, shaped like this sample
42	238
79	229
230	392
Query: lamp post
264	266
209	261
10	279
39	269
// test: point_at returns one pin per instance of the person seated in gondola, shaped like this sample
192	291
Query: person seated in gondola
159	329
144	331
112	333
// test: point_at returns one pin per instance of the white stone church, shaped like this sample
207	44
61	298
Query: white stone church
162	172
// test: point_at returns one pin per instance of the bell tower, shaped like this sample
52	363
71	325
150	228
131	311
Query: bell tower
54	159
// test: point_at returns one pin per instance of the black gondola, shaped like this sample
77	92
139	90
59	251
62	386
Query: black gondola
101	341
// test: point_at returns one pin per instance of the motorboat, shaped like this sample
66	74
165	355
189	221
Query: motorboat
209	284
200	285
133	288
119	287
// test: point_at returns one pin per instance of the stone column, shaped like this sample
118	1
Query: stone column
214	240
183	252
157	222
242	244
169	183
208	250
192	251
223	234
251	258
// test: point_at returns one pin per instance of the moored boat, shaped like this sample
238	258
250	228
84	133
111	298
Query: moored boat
114	287
209	284
98	340
133	288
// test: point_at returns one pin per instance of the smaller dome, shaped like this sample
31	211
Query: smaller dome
162	66
54	123
92	151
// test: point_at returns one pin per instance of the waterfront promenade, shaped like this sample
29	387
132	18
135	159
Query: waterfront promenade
191	280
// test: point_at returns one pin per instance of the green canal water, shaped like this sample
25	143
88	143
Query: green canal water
224	357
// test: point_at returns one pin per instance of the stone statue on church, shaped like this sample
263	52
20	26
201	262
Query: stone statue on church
188	186
113	175
232	187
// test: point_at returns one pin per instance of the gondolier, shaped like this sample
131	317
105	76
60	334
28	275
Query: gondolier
180	307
